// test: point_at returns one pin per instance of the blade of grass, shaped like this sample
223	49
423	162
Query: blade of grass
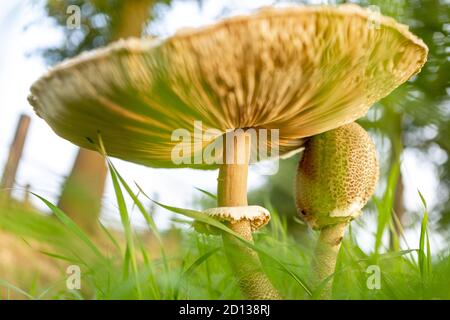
207	193
110	237
422	254
151	277
148	218
385	205
389	255
127	228
58	256
202	246
424	244
150	222
130	192
192	268
72	226
12	287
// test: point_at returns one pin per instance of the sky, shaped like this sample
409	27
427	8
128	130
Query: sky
47	159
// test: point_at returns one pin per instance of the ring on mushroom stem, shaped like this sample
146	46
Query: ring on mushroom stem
241	218
303	70
336	177
232	192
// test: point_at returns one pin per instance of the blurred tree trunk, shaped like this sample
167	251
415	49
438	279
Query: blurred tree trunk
83	190
81	198
13	161
132	18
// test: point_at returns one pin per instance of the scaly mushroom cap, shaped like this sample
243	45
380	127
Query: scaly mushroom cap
302	70
336	176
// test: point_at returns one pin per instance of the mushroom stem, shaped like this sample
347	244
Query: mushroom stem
324	263
232	191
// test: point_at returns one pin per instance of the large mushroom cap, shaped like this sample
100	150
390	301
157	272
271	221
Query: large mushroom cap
302	70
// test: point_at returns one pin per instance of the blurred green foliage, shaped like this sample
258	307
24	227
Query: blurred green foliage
100	21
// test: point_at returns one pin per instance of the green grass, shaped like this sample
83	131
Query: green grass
184	264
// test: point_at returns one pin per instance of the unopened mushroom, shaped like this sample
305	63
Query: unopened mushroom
296	71
336	177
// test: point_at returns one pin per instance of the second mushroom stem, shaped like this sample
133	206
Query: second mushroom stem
324	263
232	192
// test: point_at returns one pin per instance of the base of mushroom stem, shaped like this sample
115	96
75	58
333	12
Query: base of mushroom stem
324	261
245	262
